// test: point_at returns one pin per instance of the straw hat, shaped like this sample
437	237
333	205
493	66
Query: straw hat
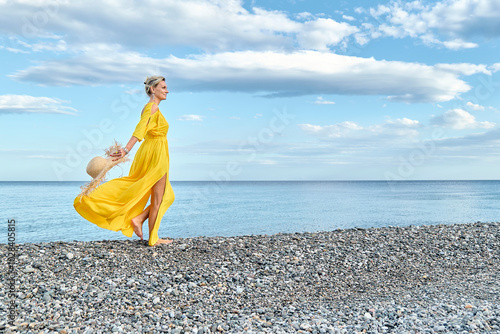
98	167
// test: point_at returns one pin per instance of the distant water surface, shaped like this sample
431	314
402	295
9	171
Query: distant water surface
44	210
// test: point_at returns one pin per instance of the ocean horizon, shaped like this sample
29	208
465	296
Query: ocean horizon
43	210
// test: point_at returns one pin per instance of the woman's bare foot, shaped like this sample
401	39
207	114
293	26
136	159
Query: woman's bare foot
163	241
137	225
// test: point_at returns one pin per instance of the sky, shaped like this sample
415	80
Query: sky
259	90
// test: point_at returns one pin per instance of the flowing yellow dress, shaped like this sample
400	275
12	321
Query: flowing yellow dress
113	204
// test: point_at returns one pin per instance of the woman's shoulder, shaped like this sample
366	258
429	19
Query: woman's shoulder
150	107
154	108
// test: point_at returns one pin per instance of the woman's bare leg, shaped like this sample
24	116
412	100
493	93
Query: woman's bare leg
139	220
156	198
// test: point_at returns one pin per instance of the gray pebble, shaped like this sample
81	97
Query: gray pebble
47	297
28	269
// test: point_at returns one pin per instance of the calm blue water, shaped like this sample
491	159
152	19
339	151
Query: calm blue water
44	210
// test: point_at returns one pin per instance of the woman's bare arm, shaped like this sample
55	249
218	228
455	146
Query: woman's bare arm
131	143
121	152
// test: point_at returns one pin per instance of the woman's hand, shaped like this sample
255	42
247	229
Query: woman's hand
118	154
123	151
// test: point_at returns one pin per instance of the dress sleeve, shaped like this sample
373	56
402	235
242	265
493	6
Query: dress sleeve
143	125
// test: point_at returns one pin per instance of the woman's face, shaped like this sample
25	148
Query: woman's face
161	90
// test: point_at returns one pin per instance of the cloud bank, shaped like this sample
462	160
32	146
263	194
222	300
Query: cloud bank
272	74
211	25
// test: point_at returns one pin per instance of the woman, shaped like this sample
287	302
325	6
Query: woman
118	205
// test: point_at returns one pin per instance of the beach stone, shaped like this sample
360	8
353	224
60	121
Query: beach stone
305	326
28	270
70	256
116	329
58	269
47	297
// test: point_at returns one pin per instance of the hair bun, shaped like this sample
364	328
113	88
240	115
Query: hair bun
151	82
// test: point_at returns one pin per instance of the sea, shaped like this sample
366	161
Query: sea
43	211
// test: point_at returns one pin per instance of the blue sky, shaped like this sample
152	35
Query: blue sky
259	90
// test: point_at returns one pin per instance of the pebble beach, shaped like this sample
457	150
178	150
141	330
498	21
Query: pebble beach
417	279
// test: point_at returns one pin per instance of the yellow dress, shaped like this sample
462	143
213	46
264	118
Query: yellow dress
113	204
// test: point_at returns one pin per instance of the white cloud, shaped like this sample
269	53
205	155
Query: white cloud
391	31
13	50
466	17
304	15
320	100
321	34
14	104
361	38
59	46
380	10
398	127
455	44
449	23
403	123
460	119
474	106
359	10
458	44
191	118
348	18
495	67
332	131
464	68
271	73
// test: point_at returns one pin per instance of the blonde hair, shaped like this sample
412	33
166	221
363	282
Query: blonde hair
152	82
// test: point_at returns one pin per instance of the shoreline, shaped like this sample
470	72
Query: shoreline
435	278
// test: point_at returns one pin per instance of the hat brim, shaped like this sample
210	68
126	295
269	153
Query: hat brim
88	188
